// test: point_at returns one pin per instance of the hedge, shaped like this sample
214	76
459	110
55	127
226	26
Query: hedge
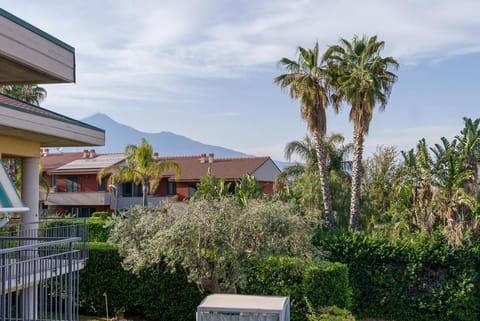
155	294
321	283
424	279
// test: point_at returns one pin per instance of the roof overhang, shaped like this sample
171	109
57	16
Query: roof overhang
45	127
29	55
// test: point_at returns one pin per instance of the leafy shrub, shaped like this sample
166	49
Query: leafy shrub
332	313
102	215
424	279
321	283
156	293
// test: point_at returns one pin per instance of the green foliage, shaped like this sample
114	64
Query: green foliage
211	239
423	279
211	187
156	293
320	283
32	94
332	313
142	168
247	188
102	215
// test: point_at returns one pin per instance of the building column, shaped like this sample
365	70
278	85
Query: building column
30	198
30	190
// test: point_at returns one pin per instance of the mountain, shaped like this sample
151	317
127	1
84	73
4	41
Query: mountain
165	143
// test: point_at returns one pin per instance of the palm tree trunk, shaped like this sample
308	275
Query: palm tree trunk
145	194
358	139
324	184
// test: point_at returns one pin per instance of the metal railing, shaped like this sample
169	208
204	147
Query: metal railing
39	268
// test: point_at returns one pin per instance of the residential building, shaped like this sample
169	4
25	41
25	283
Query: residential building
35	257
75	188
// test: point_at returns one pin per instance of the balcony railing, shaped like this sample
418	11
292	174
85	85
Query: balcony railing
39	267
78	198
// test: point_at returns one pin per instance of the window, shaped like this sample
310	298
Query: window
171	188
131	189
54	181
192	189
102	184
72	183
127	190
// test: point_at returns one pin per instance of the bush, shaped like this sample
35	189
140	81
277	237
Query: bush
102	215
97	231
400	280
155	293
332	313
321	283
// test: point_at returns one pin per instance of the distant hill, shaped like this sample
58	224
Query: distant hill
165	143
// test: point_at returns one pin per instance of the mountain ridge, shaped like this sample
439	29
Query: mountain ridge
118	135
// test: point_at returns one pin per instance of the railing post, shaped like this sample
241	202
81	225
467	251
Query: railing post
70	283
3	303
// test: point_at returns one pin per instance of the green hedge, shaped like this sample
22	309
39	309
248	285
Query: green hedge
419	280
321	283
155	293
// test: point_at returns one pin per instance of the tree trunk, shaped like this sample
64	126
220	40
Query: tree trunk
145	194
356	176
324	182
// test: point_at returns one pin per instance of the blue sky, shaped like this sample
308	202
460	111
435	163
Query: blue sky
205	68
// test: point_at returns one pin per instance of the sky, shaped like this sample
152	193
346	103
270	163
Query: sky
204	69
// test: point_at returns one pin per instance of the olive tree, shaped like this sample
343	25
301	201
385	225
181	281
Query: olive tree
213	240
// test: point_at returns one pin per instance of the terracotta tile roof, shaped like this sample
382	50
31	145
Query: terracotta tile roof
98	162
230	168
191	166
55	160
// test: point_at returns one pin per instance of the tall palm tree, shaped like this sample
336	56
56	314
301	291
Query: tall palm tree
141	169
362	78
451	200
32	94
305	80
469	149
335	153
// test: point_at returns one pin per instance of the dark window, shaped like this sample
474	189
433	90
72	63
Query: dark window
54	181
138	190
102	184
127	189
192	189
131	189
72	183
171	188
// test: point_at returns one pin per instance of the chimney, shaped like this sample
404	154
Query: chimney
203	158
85	153
92	153
211	157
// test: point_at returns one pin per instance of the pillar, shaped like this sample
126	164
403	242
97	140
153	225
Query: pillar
30	190
30	197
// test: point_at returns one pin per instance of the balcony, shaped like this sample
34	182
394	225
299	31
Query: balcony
126	202
39	268
78	198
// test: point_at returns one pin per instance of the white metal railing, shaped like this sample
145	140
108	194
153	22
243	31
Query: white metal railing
39	268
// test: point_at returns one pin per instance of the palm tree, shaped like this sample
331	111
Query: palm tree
362	78
469	149
305	80
141	169
32	94
335	152
451	200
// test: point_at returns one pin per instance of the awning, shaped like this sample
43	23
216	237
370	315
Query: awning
10	201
